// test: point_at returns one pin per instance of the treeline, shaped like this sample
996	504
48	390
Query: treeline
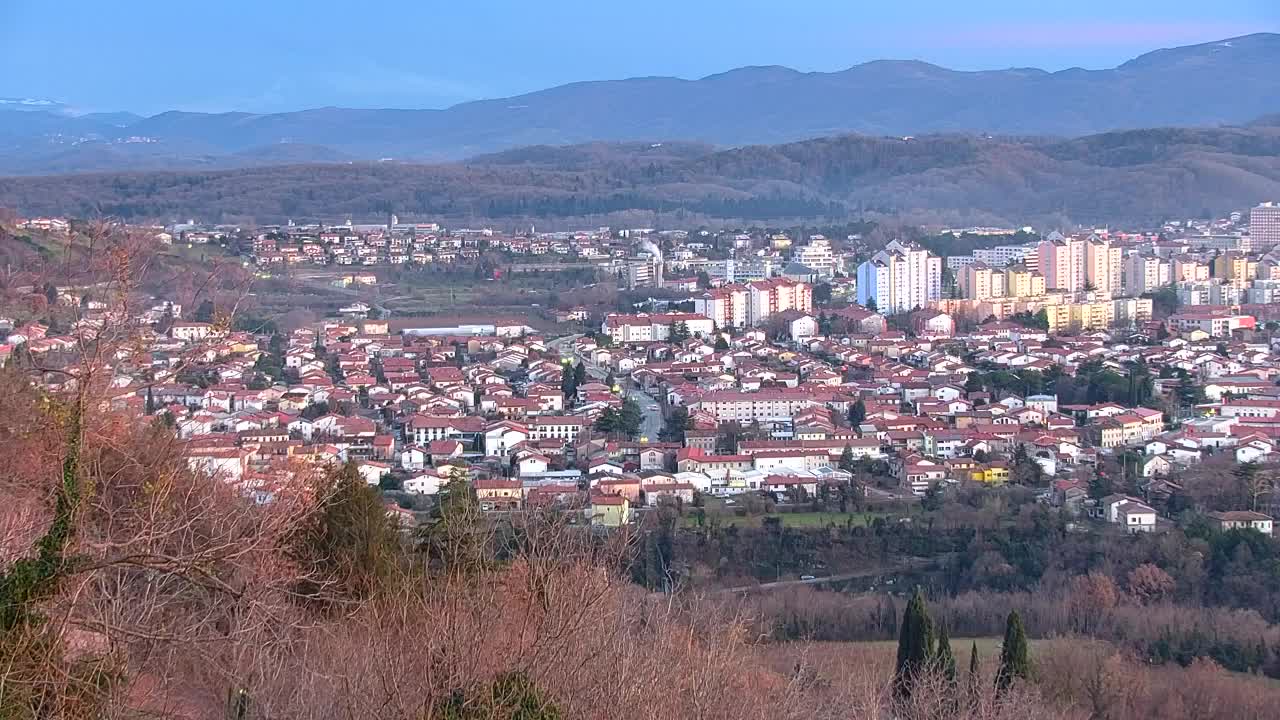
945	244
999	541
1137	176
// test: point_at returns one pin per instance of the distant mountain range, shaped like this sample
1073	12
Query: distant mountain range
1229	82
1125	177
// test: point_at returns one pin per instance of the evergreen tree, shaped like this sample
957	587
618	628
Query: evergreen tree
847	462
973	383
721	344
579	375
1100	484
857	413
151	402
1189	392
945	658
349	541
452	536
1015	661
915	646
975	673
944	661
512	695
608	422
679	332
568	383
676	425
204	312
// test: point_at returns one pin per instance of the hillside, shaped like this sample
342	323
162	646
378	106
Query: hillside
1121	177
1226	82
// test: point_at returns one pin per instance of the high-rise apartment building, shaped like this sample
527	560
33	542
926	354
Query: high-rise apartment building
975	282
752	304
1103	266
1062	262
980	282
1187	269
726	306
1264	227
1234	268
1144	273
767	297
1074	264
1021	282
900	278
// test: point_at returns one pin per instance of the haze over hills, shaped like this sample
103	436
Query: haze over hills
1228	82
1137	176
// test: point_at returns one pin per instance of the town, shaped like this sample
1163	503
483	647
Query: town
550	361
1098	368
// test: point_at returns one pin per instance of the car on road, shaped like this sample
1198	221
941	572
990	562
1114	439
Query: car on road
653	408
807	578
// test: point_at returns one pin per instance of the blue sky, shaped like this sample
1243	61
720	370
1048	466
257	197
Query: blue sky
271	55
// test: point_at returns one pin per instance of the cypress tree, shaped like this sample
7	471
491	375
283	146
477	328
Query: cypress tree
915	646
945	658
975	674
568	383
1015	662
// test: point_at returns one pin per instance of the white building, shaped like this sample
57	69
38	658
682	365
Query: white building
1209	292
900	278
190	331
1002	255
728	405
654	328
819	256
725	306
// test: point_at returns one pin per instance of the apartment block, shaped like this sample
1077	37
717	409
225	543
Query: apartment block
1144	273
1264	227
656	327
900	278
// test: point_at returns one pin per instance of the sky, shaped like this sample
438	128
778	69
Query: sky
148	56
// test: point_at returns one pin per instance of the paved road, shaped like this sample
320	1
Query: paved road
653	421
563	345
906	565
652	424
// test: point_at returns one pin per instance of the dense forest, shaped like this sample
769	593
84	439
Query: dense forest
1134	176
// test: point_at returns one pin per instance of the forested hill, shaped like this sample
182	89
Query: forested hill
1129	176
1228	82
